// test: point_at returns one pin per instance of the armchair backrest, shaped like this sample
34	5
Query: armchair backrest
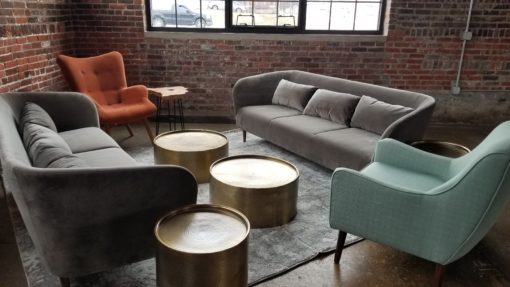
100	77
483	189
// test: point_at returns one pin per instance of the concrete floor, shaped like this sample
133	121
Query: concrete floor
363	264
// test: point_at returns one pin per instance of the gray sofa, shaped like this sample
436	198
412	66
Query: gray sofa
92	218
327	142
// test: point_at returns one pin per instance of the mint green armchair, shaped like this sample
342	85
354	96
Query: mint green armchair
431	206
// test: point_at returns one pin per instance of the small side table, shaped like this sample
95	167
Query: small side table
441	148
174	94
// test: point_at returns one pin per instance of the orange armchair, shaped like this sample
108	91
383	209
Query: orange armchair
102	78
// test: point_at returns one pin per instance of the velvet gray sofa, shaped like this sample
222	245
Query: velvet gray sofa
323	141
88	219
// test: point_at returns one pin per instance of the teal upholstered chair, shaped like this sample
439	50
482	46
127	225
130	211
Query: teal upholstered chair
431	206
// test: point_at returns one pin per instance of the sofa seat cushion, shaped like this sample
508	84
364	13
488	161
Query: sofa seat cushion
87	139
256	119
107	157
296	133
352	148
401	178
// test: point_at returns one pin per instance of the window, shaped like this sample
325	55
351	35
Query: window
272	16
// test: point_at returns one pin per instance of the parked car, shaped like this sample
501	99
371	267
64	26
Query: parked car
185	17
220	5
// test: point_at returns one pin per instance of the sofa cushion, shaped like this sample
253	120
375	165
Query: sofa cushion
46	148
333	106
87	139
292	94
107	157
256	119
296	133
351	148
33	113
375	116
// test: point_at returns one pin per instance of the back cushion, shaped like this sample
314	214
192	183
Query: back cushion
333	106
44	146
375	116
33	113
292	95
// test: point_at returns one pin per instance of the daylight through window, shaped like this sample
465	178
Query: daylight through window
272	16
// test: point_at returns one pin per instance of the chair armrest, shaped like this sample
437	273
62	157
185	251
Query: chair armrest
256	90
374	210
114	208
399	154
134	94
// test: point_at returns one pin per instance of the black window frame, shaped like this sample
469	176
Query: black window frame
298	29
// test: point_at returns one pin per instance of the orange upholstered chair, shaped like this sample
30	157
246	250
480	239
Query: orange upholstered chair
103	79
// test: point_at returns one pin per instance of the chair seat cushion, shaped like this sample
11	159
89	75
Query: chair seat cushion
107	157
125	113
87	139
402	178
256	119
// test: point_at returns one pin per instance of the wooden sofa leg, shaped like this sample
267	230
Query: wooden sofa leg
148	128
340	246
438	275
129	130
244	136
65	282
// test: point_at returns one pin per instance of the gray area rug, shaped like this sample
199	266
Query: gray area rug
272	251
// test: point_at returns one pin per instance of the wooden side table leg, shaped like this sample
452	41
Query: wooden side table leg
158	114
181	113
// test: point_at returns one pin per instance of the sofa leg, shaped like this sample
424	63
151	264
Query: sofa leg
244	136
107	128
129	130
340	246
438	275
65	282
148	128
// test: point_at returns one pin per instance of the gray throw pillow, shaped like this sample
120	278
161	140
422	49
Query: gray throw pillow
45	147
375	116
292	95
33	113
333	106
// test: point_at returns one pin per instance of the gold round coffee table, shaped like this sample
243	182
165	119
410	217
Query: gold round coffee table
196	150
263	188
202	245
441	148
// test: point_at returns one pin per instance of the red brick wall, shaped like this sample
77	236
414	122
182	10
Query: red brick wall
32	33
421	52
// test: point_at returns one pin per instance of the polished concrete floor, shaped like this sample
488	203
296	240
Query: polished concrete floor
363	264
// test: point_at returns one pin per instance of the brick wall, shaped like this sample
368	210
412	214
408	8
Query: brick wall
421	52
32	33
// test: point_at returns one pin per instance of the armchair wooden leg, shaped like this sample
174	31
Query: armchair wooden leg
438	275
148	128
244	136
129	130
340	246
65	282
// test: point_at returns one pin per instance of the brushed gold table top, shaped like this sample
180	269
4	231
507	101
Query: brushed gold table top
191	141
202	231
254	172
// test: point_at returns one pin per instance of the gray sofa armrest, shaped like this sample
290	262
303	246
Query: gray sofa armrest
412	126
257	90
69	110
89	220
